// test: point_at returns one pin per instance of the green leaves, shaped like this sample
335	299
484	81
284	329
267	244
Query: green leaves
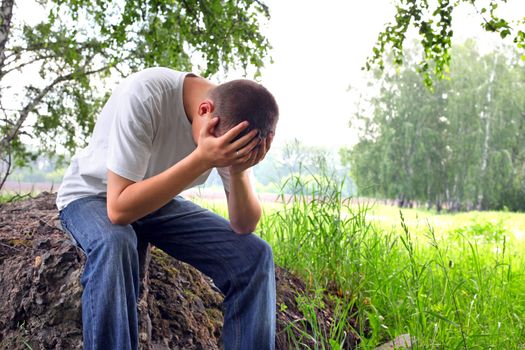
435	34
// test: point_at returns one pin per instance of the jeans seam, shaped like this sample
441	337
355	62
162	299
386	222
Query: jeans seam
68	232
92	313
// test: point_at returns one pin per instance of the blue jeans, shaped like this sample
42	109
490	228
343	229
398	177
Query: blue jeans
241	266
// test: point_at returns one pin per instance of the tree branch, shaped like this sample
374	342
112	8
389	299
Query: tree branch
8	161
3	73
16	51
36	100
264	7
487	23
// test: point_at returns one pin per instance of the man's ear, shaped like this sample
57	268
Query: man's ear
206	107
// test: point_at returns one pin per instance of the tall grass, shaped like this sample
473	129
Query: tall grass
463	289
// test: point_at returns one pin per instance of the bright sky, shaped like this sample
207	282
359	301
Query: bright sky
318	51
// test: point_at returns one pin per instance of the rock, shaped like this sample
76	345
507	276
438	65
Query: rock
403	341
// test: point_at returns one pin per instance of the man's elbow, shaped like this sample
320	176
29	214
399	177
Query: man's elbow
117	218
243	229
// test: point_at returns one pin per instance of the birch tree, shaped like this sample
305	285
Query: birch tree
52	72
460	145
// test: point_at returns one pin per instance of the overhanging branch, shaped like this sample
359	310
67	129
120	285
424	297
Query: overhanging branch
23	64
24	112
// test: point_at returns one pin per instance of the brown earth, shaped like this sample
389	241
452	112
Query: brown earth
180	308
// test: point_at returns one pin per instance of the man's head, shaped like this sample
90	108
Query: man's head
240	100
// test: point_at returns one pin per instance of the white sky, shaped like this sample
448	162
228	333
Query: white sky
318	51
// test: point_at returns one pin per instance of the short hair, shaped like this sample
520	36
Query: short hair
242	99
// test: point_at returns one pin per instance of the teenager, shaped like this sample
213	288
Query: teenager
160	132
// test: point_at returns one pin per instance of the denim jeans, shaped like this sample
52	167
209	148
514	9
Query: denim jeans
241	266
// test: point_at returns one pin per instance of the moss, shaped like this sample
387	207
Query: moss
189	294
165	261
20	242
214	314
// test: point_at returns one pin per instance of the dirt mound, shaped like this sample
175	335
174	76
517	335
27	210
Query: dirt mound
40	291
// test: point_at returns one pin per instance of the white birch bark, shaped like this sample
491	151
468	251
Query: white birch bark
485	115
6	13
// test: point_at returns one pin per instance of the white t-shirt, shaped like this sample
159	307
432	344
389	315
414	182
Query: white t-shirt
142	131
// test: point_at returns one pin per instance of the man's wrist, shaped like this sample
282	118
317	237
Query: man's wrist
238	175
200	161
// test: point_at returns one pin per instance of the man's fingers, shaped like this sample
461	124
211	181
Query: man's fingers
241	142
231	134
244	158
211	125
247	148
249	156
255	156
261	151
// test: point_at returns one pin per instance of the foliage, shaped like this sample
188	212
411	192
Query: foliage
433	20
66	59
460	145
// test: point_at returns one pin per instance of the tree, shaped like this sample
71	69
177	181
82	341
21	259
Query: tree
460	144
434	23
81	44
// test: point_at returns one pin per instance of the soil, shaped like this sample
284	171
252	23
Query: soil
180	308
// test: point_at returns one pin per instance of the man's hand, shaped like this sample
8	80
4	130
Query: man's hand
222	151
254	154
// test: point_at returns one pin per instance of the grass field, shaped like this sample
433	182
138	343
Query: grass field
453	281
418	220
450	281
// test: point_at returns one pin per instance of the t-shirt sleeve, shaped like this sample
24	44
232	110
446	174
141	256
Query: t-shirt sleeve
130	139
225	177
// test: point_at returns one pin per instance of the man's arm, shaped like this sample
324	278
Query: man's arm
128	201
244	208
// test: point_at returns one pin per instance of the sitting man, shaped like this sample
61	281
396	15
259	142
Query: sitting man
160	132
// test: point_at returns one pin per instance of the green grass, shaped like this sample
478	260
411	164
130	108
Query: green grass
418	220
450	281
12	196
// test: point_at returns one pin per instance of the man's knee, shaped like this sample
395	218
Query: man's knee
266	250
261	251
119	242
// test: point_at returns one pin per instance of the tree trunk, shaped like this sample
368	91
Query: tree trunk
6	13
485	115
438	206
